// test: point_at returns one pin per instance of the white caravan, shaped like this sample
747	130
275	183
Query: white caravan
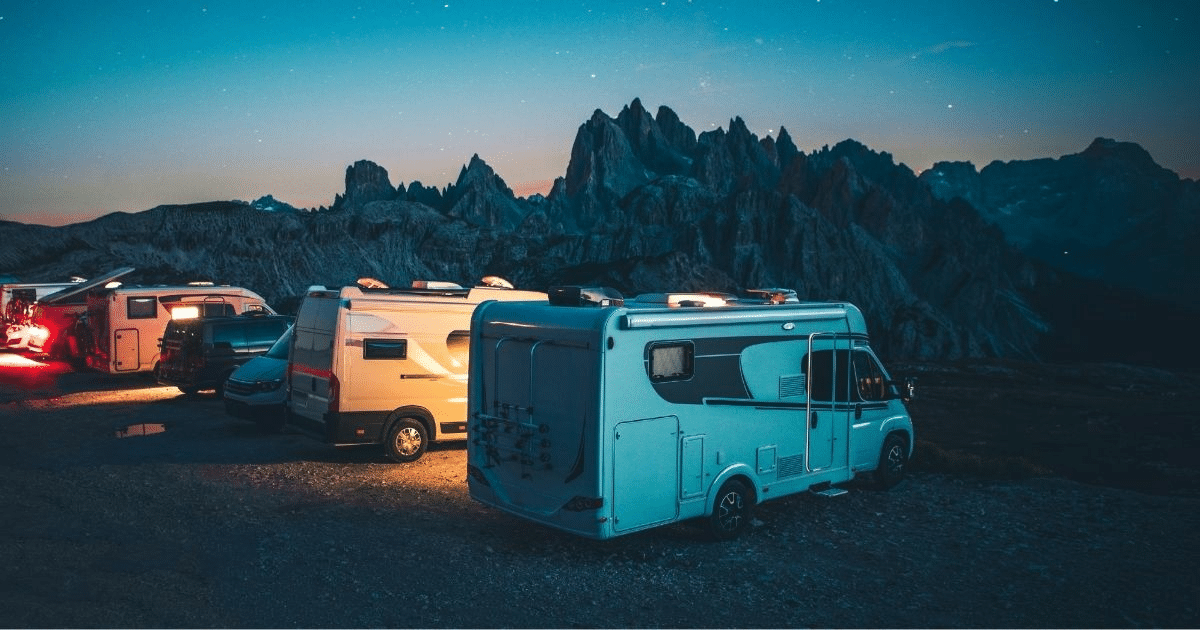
125	324
376	365
603	417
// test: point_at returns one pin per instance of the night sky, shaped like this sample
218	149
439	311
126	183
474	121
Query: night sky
124	106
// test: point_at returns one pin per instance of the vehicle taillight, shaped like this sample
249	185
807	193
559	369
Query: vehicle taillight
335	390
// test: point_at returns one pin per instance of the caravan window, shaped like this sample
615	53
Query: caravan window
142	307
671	361
385	348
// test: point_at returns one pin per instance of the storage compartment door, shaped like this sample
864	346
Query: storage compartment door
645	473
125	350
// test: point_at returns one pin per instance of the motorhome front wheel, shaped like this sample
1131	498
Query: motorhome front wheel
406	441
731	511
893	462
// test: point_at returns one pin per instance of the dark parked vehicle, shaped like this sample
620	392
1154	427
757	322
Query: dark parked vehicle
200	353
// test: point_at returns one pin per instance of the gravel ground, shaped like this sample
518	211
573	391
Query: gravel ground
130	505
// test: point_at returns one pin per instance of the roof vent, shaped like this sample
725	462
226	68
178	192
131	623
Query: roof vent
435	285
773	296
495	282
584	296
371	283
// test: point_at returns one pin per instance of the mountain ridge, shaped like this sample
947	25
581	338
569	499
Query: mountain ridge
645	204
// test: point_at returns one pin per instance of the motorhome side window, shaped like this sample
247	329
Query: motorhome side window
868	377
458	343
142	307
671	361
830	378
385	348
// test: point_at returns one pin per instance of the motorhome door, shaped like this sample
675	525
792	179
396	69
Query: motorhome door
126	357
827	366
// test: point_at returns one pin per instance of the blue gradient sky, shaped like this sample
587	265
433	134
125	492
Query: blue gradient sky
125	107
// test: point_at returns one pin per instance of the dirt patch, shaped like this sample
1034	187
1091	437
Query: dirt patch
206	522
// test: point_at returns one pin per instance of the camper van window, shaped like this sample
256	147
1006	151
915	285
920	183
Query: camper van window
824	383
458	343
385	348
231	335
672	361
142	307
265	332
869	377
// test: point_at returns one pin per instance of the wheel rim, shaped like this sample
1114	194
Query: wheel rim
730	511
408	441
895	459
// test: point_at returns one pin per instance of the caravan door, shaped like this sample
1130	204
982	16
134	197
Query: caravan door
126	355
827	366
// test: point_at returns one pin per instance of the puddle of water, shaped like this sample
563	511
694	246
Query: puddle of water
135	430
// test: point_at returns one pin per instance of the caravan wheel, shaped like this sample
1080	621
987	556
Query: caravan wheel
406	440
731	511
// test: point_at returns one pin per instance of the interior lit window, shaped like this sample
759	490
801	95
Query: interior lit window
185	312
672	361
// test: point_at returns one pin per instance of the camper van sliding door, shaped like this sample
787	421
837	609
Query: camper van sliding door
827	365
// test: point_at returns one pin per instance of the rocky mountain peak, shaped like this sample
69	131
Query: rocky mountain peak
602	170
481	197
1129	155
366	181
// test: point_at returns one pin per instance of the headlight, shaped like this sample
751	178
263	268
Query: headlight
268	386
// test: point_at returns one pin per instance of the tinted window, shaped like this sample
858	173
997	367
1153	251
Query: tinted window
264	332
142	307
228	333
385	349
280	349
868	378
458	343
830	378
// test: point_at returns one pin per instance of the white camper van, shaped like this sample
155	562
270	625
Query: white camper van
376	365
125	324
603	417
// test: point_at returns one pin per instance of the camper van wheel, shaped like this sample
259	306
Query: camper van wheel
731	511
406	440
893	462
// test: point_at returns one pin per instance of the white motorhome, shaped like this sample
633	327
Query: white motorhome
376	365
125	324
602	417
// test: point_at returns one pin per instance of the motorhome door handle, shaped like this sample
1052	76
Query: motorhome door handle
813	424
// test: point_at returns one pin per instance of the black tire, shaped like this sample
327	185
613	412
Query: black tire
190	390
893	462
732	511
406	441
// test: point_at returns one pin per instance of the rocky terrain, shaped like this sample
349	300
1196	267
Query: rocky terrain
1041	496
